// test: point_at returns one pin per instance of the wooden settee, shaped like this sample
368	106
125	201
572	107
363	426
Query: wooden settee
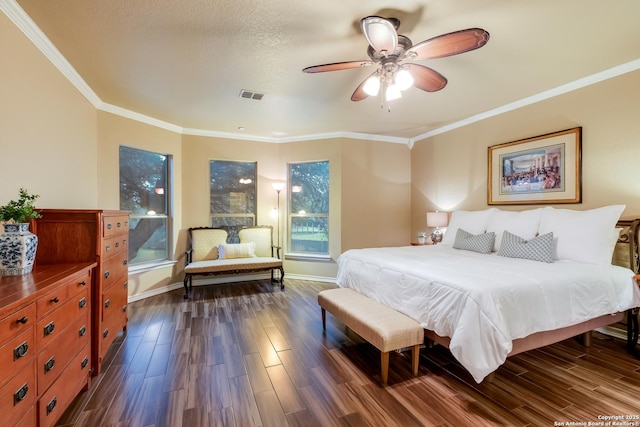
209	253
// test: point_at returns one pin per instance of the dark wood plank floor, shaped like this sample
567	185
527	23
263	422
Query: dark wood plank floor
251	355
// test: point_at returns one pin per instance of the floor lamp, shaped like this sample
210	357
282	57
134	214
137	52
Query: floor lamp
278	186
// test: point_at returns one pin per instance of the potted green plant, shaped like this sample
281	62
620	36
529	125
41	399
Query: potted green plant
17	244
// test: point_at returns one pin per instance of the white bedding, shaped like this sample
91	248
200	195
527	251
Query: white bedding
483	302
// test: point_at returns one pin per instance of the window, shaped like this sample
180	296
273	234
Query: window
233	194
144	191
309	208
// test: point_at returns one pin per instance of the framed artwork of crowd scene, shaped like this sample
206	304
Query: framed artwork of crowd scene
542	169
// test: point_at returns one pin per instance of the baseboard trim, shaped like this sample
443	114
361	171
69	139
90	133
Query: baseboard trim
223	280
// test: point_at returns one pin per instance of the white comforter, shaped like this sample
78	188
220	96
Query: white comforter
483	302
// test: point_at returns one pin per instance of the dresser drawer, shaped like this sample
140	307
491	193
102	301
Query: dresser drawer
110	328
114	245
17	322
53	324
18	395
114	301
114	269
17	353
53	403
28	419
113	225
80	284
53	359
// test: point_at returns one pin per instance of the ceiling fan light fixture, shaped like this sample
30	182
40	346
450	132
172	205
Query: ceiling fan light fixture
380	33
392	92
372	86
403	79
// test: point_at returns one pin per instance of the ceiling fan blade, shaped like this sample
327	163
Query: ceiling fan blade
359	94
336	66
380	33
426	78
449	44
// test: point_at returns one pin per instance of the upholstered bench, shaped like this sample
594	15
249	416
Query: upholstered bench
382	326
209	253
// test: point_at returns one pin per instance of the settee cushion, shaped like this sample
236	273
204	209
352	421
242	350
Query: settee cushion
230	265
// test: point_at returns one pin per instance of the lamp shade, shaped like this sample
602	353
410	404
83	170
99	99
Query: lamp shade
437	219
278	186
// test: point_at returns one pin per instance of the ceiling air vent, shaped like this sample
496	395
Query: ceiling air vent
251	95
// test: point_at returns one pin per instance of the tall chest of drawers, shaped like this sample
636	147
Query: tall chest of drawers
101	236
45	348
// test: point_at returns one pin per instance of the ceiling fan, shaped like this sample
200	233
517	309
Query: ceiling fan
392	52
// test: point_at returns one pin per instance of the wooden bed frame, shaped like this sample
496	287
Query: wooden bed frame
626	254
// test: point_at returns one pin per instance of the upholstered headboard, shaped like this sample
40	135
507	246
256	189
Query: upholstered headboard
626	251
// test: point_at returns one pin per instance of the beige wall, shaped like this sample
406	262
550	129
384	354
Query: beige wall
370	189
56	144
47	129
114	131
449	171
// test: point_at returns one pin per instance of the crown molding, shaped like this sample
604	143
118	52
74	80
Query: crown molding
20	18
562	89
123	112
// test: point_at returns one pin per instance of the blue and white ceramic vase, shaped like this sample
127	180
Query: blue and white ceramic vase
17	249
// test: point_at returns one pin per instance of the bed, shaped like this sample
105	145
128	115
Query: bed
486	305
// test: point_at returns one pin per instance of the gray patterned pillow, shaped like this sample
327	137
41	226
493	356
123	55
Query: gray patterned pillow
482	243
539	248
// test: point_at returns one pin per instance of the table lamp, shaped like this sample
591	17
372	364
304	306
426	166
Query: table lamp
437	220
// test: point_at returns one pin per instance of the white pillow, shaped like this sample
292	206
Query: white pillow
583	236
474	222
237	250
523	224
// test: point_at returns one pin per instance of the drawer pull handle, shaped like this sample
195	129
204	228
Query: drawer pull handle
125	262
107	303
52	405
83	283
109	226
49	364
23	320
105	333
106	274
20	351
126	223
117	244
82	302
108	248
82	331
84	363
55	300
124	308
118	224
20	395
49	328
124	241
126	285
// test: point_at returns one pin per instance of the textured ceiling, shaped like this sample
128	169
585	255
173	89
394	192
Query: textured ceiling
185	62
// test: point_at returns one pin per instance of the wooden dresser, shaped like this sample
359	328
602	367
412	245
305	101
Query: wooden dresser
100	236
45	348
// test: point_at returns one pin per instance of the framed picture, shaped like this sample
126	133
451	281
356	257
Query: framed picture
542	169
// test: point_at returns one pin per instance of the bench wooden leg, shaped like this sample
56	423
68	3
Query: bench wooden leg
324	319
186	288
384	363
415	359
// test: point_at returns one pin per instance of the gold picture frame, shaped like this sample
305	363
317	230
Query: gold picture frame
545	169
